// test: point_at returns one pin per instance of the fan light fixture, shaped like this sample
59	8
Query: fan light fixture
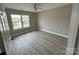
36	7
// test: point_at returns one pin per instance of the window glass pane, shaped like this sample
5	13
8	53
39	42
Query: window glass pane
25	19
16	20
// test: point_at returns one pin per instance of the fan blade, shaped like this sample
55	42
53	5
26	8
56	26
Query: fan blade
40	8
31	9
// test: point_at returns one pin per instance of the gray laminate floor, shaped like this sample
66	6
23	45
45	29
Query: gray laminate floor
38	43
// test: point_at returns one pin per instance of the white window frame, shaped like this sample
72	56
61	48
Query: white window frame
21	21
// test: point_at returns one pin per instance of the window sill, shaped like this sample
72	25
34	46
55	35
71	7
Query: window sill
20	28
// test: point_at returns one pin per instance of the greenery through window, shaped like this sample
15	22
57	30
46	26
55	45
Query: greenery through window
25	19
20	21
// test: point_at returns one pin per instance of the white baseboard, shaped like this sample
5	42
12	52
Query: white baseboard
54	33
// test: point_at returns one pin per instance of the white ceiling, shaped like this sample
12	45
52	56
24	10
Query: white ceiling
29	6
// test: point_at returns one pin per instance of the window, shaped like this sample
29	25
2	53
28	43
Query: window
16	20
25	19
20	21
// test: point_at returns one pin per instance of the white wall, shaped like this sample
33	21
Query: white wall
56	20
73	29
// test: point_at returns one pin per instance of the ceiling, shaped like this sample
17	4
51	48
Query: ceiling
29	6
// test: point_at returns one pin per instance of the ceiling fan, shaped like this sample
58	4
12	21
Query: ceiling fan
36	7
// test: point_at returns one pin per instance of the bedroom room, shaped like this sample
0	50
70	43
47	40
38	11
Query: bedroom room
39	28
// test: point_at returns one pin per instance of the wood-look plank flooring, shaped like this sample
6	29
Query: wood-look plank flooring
38	43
